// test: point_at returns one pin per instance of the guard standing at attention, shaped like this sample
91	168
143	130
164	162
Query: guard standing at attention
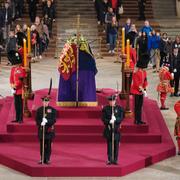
45	120
112	116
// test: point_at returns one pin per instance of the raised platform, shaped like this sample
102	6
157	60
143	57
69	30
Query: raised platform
79	148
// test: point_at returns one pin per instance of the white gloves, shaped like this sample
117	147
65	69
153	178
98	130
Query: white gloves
13	91
175	70
172	74
44	121
145	93
113	118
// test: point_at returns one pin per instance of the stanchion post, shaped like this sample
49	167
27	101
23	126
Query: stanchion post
26	111
29	78
99	55
128	73
122	95
117	51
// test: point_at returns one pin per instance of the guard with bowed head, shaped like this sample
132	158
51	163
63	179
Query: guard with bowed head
45	120
112	116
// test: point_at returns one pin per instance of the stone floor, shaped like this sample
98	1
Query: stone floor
109	74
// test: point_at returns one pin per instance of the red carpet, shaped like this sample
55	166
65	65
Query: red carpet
79	148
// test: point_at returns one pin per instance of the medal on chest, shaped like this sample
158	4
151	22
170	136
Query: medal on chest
49	110
18	71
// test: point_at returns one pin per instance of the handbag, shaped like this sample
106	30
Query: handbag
120	10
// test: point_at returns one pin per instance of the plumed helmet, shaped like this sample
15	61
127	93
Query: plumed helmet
143	63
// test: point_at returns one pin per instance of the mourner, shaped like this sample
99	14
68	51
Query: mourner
141	6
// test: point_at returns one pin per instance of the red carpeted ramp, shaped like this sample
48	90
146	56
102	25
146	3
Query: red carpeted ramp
79	148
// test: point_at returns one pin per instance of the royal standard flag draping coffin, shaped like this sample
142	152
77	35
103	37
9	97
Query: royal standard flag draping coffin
68	68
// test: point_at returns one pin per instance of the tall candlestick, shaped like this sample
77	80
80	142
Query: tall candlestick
128	53
25	53
29	40
123	41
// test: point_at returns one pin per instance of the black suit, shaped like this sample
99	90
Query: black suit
108	130
19	8
175	67
7	16
49	130
119	4
50	13
32	9
141	6
6	21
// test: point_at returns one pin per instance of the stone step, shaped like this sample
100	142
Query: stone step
135	15
72	25
77	6
162	9
165	3
85	16
83	2
68	9
165	10
67	32
169	28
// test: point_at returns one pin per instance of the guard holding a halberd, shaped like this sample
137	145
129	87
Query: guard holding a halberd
112	116
45	120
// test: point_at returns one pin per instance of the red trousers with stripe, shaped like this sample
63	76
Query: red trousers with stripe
178	142
163	99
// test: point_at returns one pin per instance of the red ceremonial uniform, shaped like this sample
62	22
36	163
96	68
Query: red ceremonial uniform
177	108
132	65
114	4
177	124
133	58
16	81
139	81
16	77
139	84
164	86
165	77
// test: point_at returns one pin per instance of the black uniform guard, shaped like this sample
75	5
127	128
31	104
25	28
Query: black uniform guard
48	122
108	119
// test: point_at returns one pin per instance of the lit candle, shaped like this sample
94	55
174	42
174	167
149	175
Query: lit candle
128	53
25	53
29	40
123	41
